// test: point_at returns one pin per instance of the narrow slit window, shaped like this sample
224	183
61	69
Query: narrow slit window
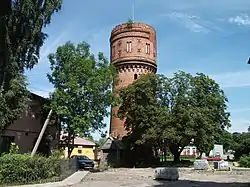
135	76
113	51
129	46
147	48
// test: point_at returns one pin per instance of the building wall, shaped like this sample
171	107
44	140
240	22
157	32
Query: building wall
133	52
81	151
26	129
190	151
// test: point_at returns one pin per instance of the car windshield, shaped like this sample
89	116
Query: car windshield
83	158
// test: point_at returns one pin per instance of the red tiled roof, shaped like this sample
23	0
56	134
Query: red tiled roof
79	141
83	141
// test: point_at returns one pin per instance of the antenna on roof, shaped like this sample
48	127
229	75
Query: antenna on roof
133	12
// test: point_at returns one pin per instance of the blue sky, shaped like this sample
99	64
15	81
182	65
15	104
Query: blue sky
208	36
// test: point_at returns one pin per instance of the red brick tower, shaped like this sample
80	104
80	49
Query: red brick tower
133	52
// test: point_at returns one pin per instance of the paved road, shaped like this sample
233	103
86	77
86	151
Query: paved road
144	178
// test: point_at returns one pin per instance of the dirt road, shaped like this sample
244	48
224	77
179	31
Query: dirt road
145	178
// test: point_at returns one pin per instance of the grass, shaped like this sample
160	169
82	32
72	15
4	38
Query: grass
185	161
182	158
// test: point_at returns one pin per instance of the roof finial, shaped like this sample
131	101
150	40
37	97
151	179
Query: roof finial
133	12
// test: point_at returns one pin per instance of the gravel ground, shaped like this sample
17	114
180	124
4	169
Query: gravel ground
145	178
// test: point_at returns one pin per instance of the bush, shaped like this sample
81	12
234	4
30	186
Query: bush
245	161
23	169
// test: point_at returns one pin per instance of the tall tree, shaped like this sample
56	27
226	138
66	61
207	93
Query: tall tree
225	138
143	117
212	114
21	38
82	89
174	111
241	144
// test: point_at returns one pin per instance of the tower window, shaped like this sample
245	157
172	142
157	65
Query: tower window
135	76
129	46
119	53
147	48
113	51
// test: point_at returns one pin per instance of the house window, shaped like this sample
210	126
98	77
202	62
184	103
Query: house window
147	48
5	142
135	76
79	149
129	46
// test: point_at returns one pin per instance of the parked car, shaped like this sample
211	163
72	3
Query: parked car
83	162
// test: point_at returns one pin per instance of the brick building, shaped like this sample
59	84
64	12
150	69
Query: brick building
133	52
25	130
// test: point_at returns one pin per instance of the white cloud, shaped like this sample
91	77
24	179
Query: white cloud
233	79
239	125
191	22
241	20
51	45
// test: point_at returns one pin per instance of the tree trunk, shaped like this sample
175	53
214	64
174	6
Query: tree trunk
71	142
174	149
177	157
200	155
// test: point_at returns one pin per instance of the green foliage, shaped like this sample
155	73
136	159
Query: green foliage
171	112
100	142
13	99
23	169
245	161
225	138
211	116
24	36
21	38
130	21
13	148
82	88
241	144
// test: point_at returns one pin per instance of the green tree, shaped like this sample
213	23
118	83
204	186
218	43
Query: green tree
171	112
82	89
241	144
225	138
143	118
21	38
211	115
100	142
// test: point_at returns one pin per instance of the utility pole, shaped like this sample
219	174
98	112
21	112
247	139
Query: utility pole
41	134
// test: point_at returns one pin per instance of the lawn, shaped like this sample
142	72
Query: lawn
182	158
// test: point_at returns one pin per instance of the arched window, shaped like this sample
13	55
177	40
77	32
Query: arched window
129	46
135	76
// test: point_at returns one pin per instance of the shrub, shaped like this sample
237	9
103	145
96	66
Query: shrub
245	161
23	169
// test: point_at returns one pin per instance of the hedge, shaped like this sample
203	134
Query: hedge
24	169
245	161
